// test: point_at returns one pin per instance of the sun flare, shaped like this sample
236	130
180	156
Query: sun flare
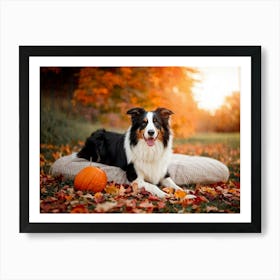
215	84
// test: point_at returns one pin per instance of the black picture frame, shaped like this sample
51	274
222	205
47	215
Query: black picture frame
254	52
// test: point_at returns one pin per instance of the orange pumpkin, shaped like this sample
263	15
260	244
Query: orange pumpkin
91	179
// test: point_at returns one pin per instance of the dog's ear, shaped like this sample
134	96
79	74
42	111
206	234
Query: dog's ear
135	112
163	112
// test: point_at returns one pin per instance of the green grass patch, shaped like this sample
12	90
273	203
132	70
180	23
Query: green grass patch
57	128
231	139
60	126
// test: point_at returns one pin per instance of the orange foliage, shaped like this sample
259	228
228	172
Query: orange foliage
104	94
228	116
114	90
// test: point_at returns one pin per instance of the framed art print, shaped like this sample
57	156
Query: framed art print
140	138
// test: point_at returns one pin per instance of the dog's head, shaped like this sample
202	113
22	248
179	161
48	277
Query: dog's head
150	126
94	148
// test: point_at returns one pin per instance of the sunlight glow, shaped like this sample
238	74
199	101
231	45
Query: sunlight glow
215	84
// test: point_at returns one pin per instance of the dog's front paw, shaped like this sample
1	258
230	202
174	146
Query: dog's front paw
153	189
189	195
162	194
159	193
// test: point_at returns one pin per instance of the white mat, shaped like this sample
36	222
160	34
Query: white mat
183	169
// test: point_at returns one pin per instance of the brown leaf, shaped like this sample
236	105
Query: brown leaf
211	209
122	190
135	189
146	204
106	206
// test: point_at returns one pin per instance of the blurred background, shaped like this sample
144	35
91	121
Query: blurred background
77	100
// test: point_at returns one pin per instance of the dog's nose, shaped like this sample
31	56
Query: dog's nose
151	132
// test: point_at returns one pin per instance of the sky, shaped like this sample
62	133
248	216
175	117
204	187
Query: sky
216	83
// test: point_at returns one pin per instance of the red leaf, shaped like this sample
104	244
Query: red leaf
153	198
80	208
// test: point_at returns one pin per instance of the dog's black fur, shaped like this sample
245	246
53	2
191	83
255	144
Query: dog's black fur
108	148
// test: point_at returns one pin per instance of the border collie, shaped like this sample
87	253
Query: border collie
144	151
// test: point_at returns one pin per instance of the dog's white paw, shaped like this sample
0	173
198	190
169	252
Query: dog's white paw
159	193
153	189
162	194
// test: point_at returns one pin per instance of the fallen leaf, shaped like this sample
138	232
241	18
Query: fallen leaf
161	205
80	208
98	197
105	207
168	190
130	204
146	204
68	197
89	196
180	194
122	190
144	192
112	189
153	198
211	209
135	189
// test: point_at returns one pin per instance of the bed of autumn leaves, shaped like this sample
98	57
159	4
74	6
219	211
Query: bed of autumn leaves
60	196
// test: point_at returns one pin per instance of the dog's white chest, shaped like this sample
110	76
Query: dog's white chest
150	163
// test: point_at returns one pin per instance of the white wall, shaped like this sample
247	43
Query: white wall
138	256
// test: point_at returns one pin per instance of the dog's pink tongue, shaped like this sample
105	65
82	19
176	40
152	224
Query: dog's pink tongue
150	141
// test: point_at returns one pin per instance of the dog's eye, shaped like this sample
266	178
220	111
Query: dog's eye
156	123
143	124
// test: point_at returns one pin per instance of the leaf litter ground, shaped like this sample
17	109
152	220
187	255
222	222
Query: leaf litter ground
59	196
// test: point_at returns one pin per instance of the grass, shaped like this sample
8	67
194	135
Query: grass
57	128
60	127
231	139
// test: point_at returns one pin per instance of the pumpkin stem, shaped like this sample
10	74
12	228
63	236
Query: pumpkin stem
90	164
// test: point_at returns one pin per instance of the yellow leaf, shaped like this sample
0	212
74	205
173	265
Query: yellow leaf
168	190
179	194
112	189
98	195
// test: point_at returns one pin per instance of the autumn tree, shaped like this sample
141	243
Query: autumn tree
205	121
227	117
224	119
114	90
